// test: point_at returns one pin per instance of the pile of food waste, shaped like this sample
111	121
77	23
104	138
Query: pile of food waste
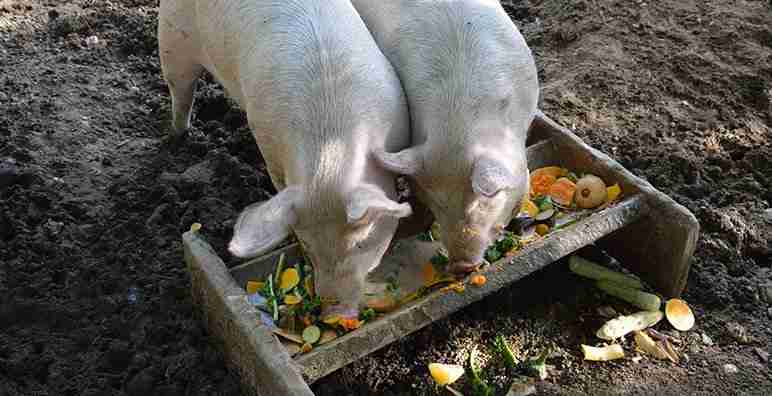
286	301
644	313
640	323
558	198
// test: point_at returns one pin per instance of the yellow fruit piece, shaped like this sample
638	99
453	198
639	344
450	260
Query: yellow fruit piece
291	299
289	279
679	314
254	286
602	354
331	320
529	207
195	227
478	280
445	374
542	229
612	192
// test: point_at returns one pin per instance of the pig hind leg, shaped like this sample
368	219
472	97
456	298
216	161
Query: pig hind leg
181	70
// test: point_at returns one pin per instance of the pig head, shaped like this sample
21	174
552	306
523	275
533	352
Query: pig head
345	233
472	90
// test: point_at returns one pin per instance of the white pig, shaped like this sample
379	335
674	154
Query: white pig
320	98
472	91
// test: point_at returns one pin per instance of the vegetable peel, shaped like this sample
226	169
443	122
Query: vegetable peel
679	314
445	374
623	325
649	346
640	299
589	269
602	354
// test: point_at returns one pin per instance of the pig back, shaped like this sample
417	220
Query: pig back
318	90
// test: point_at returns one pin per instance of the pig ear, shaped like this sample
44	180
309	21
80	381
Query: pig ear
405	162
263	225
368	199
490	176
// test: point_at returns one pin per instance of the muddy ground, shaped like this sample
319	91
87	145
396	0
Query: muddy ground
93	200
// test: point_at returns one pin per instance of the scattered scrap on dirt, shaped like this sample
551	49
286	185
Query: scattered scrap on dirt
93	203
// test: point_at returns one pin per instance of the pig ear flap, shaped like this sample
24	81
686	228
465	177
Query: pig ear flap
406	162
490	176
368	200
263	225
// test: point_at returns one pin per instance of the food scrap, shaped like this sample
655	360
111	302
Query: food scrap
253	287
287	304
647	345
623	325
562	191
640	299
602	354
589	269
679	314
445	374
478	280
557	199
590	192
630	289
289	279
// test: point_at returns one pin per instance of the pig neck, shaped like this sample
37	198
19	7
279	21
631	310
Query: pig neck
331	168
323	103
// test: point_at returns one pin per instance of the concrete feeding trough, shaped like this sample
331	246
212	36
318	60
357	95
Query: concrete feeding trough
647	231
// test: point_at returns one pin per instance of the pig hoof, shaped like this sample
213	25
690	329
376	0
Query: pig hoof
462	267
175	138
341	311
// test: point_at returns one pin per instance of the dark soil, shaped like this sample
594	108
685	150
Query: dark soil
94	290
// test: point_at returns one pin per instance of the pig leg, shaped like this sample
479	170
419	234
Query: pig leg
178	52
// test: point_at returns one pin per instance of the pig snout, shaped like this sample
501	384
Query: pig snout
467	248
